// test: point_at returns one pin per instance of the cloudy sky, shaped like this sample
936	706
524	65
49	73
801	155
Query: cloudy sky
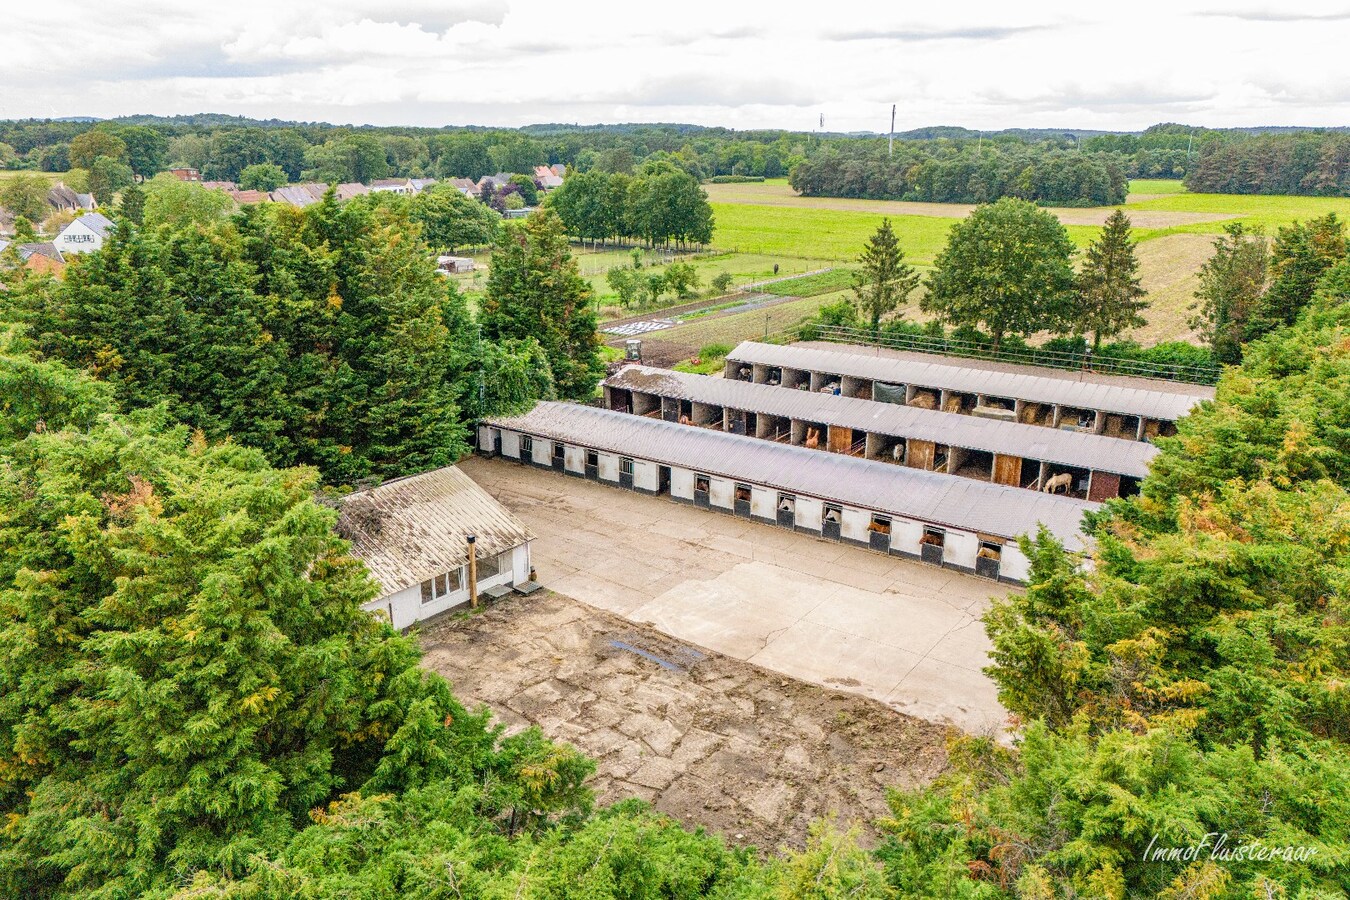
740	64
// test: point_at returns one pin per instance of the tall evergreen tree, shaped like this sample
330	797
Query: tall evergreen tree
1299	255
535	291
884	280
1231	283
1008	267
1109	293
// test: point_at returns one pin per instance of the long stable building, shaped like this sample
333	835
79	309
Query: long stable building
961	523
972	446
1119	407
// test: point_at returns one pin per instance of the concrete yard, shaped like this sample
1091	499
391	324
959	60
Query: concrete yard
898	631
708	740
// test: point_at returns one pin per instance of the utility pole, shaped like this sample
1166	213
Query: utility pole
890	146
473	571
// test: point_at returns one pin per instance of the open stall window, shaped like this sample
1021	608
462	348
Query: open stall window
988	558
880	525
625	465
593	459
834	514
702	483
526	446
742	493
787	503
934	537
558	451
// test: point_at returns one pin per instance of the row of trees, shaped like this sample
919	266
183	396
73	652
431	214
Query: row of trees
322	336
1312	163
940	172
1008	268
660	205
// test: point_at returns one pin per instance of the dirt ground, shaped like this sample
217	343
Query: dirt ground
707	739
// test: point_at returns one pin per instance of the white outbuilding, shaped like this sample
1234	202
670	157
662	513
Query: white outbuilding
85	234
415	534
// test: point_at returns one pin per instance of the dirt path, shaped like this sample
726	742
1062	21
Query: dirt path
707	739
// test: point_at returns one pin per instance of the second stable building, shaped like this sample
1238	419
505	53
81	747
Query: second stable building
963	524
1089	466
1116	406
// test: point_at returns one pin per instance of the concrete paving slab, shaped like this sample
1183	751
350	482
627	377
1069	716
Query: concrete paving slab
816	610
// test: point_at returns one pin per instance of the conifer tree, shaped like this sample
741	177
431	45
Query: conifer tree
535	291
1109	293
1231	283
884	281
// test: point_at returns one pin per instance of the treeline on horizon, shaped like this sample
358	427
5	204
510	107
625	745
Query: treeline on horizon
940	164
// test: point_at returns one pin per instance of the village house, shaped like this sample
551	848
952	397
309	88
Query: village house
85	234
226	186
416	534
454	265
403	186
42	258
244	198
349	189
186	174
300	195
62	199
546	178
464	185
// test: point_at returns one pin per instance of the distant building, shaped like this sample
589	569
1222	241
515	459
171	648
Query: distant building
43	258
350	189
300	195
454	264
519	213
546	178
186	174
244	198
393	186
62	199
493	181
227	186
413	535
421	184
464	185
84	235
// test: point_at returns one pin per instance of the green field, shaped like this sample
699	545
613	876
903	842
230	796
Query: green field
1268	212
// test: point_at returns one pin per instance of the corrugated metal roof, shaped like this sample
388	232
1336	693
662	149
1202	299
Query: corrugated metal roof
1099	392
1070	448
412	529
883	487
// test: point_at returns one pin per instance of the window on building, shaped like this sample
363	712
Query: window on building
702	483
526	445
625	465
934	536
880	524
592	459
427	595
489	566
742	493
558	450
834	513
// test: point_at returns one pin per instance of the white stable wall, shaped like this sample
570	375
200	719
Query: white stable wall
574	459
681	483
855	523
763	502
511	444
809	511
721	493
960	549
644	475
609	467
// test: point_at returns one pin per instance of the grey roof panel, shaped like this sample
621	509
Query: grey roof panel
1118	395
1069	448
911	493
411	529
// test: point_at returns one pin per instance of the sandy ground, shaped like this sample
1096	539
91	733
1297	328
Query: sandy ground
890	629
705	738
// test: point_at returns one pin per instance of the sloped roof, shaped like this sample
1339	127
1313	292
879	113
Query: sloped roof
1130	396
1087	451
415	528
98	223
931	497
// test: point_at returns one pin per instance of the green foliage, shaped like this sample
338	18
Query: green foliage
534	291
450	220
146	149
659	206
721	282
811	285
107	176
180	204
682	278
935	171
1109	293
1232	281
1299	256
321	336
88	147
355	157
883	281
1312	163
25	195
1007	267
264	177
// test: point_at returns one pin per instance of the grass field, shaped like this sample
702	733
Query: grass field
53	177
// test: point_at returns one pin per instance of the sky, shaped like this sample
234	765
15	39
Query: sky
743	65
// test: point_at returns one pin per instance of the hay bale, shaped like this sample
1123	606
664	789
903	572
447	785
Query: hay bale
924	400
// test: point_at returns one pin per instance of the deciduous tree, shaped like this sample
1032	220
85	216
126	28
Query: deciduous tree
1232	281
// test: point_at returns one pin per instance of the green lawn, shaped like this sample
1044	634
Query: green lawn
1256	210
834	234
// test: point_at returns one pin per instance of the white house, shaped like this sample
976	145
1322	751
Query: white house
394	186
85	234
414	536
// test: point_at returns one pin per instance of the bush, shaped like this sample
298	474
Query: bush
721	282
735	179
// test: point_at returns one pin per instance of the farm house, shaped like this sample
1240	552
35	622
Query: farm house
1116	406
414	535
954	522
994	450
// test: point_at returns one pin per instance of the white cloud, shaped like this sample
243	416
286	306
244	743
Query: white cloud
744	65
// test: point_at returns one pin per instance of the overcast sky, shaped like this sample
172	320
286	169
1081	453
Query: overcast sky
984	65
